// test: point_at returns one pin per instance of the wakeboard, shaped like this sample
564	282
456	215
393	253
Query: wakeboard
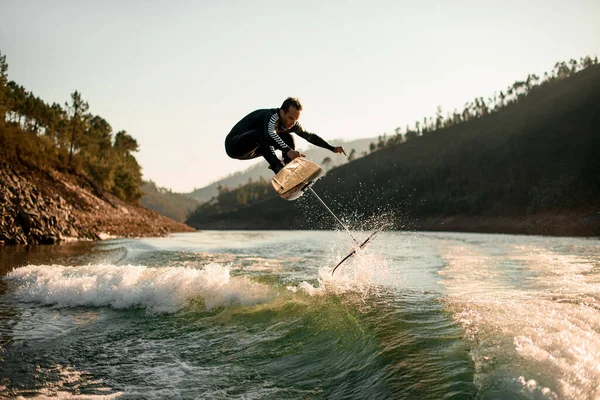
361	246
295	178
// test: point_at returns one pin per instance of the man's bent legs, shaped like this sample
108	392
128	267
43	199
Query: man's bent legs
243	146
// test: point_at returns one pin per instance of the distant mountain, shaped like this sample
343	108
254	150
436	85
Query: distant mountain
257	171
165	202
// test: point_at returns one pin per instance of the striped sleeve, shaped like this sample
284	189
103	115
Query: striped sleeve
271	131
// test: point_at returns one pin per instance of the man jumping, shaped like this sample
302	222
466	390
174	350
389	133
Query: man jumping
262	132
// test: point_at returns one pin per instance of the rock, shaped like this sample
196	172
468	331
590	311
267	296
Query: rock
47	207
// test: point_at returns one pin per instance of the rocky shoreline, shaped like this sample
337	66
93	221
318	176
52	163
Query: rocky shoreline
47	207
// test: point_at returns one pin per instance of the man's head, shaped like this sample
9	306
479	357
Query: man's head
289	112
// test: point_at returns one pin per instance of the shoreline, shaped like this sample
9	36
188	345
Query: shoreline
48	207
565	224
572	224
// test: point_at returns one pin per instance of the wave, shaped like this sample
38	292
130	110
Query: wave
162	290
171	288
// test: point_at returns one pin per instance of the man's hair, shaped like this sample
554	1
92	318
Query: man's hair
293	102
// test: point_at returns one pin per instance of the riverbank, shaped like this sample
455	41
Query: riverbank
48	206
566	223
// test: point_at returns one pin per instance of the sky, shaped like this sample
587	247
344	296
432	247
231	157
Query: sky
177	75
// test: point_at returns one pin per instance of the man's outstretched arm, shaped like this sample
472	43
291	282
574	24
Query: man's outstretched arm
316	139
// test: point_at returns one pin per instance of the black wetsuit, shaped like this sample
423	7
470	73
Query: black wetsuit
260	134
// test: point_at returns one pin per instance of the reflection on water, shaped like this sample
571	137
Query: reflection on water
62	382
71	253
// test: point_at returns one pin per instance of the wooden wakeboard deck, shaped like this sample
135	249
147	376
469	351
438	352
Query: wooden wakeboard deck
291	182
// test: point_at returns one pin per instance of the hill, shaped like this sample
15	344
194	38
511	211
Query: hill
176	206
48	206
526	163
64	175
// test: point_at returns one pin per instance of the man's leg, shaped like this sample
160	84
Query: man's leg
248	145
243	146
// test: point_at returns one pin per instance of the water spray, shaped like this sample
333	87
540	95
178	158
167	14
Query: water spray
334	216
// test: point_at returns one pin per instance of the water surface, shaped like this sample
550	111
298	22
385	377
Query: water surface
257	315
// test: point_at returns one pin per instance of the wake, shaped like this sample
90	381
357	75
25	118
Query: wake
161	290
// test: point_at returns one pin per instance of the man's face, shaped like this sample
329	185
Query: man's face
288	118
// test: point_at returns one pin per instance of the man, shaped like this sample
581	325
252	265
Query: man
262	132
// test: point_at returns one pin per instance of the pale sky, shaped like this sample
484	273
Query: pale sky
177	75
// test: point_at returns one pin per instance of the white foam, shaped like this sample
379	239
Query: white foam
165	289
545	325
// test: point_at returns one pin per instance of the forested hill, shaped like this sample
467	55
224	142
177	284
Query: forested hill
527	160
68	138
65	174
166	202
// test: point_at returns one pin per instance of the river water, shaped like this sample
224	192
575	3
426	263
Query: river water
257	315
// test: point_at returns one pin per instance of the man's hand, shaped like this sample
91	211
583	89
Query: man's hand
339	149
294	154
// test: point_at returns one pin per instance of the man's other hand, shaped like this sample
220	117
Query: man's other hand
339	149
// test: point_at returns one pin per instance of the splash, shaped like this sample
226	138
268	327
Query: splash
361	275
162	290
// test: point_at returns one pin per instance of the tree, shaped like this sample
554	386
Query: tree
56	125
352	155
483	108
128	176
410	135
97	138
16	100
124	143
381	141
438	119
586	62
77	110
398	135
326	162
562	70
573	64
98	154
3	89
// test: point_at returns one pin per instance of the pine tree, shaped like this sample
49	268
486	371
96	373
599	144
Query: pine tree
77	110
3	89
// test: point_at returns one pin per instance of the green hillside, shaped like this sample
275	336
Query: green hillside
67	138
532	150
